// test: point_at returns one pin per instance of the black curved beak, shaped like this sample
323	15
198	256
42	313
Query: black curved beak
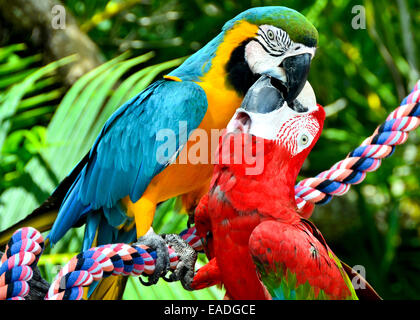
265	96
262	97
297	70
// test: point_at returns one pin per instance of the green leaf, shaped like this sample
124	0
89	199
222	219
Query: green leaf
17	92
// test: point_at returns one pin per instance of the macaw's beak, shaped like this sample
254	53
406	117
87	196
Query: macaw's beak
262	97
296	69
262	105
265	97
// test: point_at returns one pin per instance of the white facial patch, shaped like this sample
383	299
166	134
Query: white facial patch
260	62
297	133
271	46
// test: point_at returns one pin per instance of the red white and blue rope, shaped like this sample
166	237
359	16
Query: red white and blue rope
21	255
26	246
366	158
110	260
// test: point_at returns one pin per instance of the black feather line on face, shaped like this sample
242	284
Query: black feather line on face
282	39
268	51
267	41
238	72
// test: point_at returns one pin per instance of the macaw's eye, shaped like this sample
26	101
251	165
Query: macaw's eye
304	139
270	35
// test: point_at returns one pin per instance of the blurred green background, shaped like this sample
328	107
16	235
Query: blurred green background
53	105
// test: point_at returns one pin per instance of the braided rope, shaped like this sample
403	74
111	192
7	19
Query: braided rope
110	260
21	255
366	158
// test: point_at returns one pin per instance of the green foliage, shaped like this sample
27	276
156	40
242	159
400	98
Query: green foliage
29	92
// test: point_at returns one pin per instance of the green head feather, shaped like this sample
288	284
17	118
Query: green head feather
294	23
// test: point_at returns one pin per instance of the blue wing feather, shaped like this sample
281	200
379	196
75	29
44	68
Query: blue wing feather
123	160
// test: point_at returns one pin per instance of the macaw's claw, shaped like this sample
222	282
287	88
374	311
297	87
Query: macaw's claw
158	244
184	271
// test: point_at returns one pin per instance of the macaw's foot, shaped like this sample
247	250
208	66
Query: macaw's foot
184	270
158	244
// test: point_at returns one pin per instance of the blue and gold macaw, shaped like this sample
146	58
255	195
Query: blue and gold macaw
116	187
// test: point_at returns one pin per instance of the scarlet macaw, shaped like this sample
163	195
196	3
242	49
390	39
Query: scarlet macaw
119	183
260	246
